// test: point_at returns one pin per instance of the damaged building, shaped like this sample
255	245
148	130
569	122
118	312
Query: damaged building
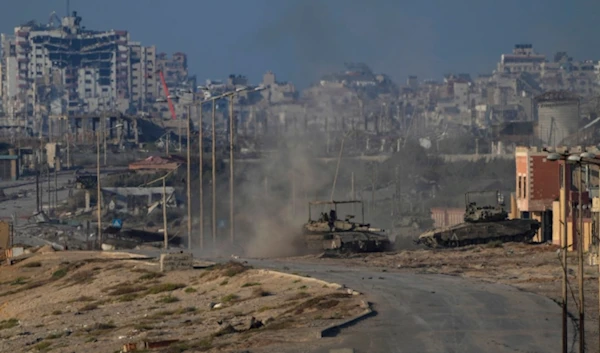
63	68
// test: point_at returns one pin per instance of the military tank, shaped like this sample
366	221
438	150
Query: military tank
328	233
482	224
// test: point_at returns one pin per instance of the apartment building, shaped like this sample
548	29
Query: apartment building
78	70
522	59
544	195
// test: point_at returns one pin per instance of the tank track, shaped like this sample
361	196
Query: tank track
455	243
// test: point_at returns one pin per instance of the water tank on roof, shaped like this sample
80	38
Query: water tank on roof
558	118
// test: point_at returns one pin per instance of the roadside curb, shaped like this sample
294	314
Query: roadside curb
333	330
308	279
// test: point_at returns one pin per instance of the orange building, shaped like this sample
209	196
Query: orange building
542	195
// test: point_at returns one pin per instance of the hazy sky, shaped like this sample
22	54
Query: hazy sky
301	39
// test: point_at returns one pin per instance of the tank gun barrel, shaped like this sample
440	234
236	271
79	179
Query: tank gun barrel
371	229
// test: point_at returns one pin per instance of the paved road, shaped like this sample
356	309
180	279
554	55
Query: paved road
434	313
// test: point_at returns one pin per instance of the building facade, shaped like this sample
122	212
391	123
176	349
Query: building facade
544	195
74	70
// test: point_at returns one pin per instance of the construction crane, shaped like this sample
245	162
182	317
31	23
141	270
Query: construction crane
166	89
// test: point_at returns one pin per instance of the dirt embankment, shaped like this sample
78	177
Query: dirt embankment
68	301
533	268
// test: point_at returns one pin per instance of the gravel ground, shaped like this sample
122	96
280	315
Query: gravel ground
71	300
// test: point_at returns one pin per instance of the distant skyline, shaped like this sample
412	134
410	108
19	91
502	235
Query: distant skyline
299	40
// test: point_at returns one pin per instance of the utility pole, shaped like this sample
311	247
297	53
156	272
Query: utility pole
565	246
231	196
372	191
362	113
99	197
55	183
68	144
37	182
168	142
164	209
104	136
352	192
201	173
214	176
293	177
49	191
179	121
580	258
188	182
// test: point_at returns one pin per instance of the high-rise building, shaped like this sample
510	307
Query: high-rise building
74	70
522	59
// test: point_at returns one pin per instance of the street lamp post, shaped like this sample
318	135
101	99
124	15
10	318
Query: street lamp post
231	210
563	158
201	173
99	190
214	176
214	163
579	160
188	182
164	204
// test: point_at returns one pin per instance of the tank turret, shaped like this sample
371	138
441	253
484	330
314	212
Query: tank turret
329	233
482	224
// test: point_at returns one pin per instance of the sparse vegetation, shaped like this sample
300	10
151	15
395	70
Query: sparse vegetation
260	292
167	299
100	326
89	307
228	298
60	273
494	244
57	312
143	327
162	314
32	264
42	346
300	295
224	283
83	298
165	287
250	284
10	323
19	281
81	277
128	297
189	309
230	269
151	276
124	288
190	290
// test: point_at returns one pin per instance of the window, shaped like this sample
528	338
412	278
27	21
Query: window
524	187
520	188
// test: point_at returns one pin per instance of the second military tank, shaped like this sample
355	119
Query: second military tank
482	224
329	233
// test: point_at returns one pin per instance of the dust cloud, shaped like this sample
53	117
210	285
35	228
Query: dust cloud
273	201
